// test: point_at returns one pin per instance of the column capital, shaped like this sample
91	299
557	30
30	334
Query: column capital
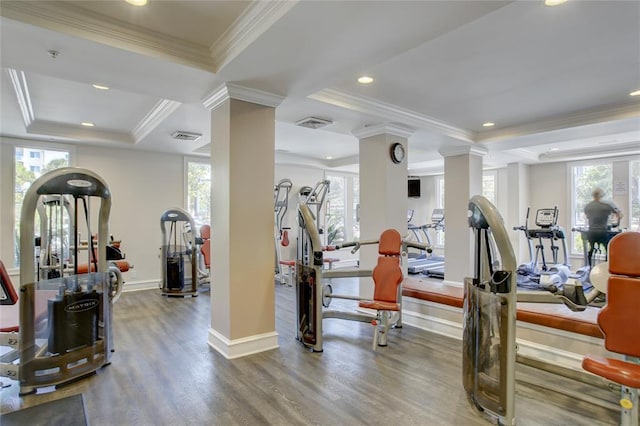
385	128
450	151
233	91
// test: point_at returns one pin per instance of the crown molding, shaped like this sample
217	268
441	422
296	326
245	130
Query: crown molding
160	111
257	18
390	113
632	148
580	118
232	91
19	83
450	151
65	18
381	129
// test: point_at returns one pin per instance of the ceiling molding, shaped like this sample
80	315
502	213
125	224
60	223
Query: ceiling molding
19	83
160	111
257	18
63	17
390	112
450	151
233	91
381	129
632	148
581	118
66	131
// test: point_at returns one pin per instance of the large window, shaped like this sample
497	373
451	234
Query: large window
585	178
634	216
489	186
199	191
29	164
342	208
440	205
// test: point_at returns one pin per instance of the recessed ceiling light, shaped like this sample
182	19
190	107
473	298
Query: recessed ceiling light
137	2
365	79
636	93
488	124
87	124
553	2
328	157
100	87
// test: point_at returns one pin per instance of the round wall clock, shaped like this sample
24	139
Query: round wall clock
397	152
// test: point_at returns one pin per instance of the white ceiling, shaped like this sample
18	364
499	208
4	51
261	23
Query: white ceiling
549	77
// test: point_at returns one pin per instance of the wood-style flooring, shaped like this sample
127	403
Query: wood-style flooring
164	373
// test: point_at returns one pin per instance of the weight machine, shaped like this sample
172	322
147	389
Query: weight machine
281	205
179	246
64	326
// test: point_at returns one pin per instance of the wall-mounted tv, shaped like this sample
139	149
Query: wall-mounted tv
413	188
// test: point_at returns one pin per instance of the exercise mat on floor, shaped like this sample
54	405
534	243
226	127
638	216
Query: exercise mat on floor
65	411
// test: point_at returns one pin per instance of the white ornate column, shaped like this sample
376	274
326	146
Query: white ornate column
462	180
242	164
383	188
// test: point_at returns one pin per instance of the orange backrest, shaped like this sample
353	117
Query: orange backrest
7	287
205	248
387	274
620	319
205	232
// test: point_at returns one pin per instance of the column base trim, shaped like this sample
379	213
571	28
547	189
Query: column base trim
238	348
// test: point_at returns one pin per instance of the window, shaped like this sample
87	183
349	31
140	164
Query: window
440	205
342	208
585	178
199	192
40	161
634	215
489	183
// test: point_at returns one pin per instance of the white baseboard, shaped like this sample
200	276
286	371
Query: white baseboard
238	348
433	324
141	285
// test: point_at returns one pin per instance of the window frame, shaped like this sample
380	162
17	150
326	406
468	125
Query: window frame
350	208
9	210
198	160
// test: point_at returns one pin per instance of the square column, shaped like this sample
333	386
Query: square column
383	190
462	180
242	164
517	204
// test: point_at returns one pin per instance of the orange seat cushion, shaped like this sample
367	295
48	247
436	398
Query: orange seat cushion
618	371
380	306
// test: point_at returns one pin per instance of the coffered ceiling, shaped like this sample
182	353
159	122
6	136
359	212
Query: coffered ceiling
556	81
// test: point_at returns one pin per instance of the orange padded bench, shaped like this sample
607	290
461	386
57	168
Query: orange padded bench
553	315
123	265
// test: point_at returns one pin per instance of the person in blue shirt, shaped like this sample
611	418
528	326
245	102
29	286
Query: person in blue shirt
597	212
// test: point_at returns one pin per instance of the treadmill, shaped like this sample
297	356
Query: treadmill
429	263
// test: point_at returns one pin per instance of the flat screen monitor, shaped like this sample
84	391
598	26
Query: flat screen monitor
414	188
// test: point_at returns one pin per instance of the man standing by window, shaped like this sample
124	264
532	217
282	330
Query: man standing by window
598	212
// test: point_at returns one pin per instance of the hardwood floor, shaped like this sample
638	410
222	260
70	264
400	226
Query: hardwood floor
164	373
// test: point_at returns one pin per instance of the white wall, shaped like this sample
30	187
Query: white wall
143	185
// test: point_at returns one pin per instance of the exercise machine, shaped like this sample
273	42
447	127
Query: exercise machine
179	254
428	263
281	205
64	325
489	324
620	324
312	294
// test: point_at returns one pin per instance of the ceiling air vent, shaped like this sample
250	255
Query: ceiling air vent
185	136
313	122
